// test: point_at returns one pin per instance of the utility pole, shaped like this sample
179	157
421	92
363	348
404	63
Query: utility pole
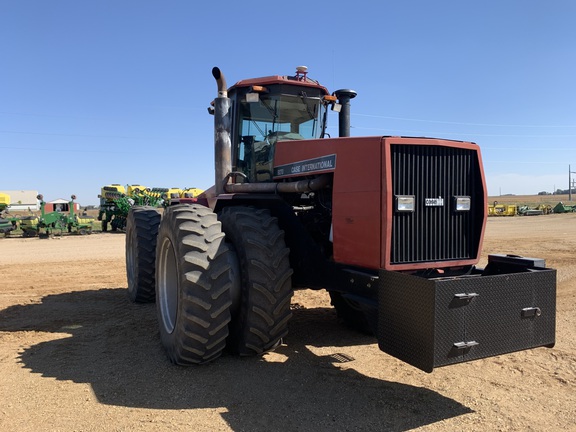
570	172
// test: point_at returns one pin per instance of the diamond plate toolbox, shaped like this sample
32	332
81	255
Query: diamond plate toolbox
441	321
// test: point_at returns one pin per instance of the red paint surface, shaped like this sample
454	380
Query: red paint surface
362	195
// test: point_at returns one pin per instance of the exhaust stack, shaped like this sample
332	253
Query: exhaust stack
222	132
344	97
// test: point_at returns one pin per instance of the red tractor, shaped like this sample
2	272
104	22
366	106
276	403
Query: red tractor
390	226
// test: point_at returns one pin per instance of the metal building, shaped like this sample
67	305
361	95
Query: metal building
22	200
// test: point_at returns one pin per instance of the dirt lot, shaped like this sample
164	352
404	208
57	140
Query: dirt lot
75	355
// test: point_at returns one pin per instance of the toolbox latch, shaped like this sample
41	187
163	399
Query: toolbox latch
466	296
465	345
462	299
531	312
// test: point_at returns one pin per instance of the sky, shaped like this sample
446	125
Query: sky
116	91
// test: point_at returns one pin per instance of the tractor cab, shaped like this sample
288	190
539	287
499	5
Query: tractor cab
270	109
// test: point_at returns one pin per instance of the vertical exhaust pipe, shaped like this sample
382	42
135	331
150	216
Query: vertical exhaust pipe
222	132
344	97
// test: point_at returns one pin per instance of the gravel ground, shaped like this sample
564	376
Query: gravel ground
75	355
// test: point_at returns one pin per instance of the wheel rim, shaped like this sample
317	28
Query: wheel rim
167	280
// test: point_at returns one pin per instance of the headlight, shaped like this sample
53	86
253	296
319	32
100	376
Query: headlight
405	203
462	203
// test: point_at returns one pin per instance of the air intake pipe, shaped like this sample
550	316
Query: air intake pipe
344	97
222	132
299	186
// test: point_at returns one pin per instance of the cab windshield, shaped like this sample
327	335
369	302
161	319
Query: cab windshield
271	118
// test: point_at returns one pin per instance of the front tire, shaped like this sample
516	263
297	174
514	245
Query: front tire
192	284
141	236
260	320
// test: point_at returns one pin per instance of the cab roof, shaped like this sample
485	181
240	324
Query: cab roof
301	81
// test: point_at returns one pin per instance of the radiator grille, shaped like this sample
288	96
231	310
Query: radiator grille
436	233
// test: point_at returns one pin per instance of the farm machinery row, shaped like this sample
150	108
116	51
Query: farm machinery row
7	223
496	209
117	200
63	219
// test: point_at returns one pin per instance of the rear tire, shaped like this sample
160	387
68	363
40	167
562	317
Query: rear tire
141	237
192	285
260	320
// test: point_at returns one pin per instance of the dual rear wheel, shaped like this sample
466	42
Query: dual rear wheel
192	285
141	236
221	281
262	308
